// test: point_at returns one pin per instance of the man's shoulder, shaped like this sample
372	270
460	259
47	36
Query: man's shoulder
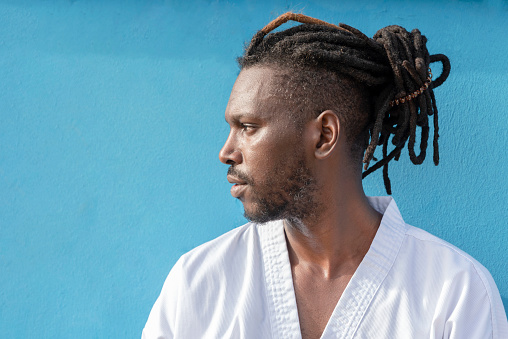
449	277
419	248
432	245
220	244
231	247
204	272
220	279
447	262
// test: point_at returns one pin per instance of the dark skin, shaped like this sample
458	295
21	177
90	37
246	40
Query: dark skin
326	247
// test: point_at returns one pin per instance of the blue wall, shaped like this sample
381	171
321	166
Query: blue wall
111	119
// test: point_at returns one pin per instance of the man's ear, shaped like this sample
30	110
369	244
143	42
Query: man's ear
326	134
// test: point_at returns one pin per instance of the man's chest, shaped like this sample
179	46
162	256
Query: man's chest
316	300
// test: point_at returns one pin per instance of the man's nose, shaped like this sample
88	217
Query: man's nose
229	154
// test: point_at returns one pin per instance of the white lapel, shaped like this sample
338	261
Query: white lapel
281	298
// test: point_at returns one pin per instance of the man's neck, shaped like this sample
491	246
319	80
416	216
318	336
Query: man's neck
334	242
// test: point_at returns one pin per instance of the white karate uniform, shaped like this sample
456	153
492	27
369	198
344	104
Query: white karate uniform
410	284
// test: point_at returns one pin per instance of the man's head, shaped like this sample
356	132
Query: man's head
266	149
294	79
284	128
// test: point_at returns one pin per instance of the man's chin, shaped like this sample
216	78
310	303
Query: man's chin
260	216
259	219
254	216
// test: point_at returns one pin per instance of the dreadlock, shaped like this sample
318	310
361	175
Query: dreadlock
393	66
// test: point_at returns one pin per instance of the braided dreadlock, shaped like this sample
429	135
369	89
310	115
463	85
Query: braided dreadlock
393	66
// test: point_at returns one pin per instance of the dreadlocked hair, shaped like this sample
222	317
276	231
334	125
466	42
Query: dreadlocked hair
393	66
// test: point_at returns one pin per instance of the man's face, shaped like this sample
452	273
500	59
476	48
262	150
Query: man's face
266	152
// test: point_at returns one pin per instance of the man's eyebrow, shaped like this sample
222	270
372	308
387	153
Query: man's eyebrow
238	116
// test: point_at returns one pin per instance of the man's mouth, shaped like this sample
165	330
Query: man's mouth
238	189
238	186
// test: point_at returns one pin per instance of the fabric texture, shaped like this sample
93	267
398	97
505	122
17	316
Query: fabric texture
410	284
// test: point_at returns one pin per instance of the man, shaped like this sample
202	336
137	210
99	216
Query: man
319	259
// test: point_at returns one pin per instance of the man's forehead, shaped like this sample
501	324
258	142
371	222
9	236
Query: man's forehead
255	82
254	94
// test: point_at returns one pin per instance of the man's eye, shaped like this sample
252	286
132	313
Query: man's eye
247	127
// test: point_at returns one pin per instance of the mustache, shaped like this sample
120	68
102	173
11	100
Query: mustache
240	175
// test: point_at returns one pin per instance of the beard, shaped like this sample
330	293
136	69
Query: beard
289	192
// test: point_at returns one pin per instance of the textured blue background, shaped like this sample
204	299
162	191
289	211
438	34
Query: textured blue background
111	119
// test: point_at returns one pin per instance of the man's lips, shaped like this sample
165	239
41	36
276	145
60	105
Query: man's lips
238	186
234	180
